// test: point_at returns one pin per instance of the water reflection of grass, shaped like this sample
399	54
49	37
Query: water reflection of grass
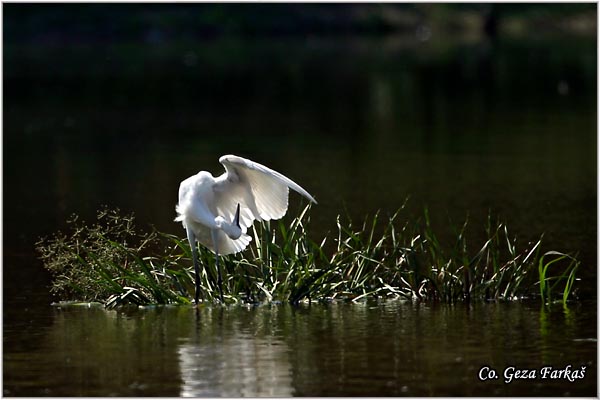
113	262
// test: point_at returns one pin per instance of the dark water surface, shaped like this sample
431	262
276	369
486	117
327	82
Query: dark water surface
462	125
386	348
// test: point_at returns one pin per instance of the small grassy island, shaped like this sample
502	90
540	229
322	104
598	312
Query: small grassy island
113	262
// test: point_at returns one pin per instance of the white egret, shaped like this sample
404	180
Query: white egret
217	211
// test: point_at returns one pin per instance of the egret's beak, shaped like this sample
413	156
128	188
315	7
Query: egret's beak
236	219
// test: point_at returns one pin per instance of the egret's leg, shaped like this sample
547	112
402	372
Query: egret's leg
192	240
219	279
214	234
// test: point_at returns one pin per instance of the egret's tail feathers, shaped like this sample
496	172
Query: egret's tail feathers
179	217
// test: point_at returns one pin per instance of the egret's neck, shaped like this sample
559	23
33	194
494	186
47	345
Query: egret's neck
233	231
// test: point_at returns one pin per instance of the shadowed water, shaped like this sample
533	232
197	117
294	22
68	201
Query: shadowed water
462	125
388	348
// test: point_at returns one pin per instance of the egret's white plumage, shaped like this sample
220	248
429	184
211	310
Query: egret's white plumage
207	204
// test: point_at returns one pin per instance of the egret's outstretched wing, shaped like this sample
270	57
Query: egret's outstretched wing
261	192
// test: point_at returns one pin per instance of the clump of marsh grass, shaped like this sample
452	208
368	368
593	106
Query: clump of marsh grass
112	262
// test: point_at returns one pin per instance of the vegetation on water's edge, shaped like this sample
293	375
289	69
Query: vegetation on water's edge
111	261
